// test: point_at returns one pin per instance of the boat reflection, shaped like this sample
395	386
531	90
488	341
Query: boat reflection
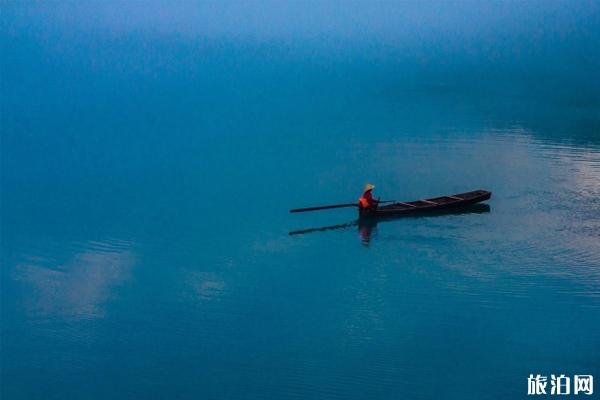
367	227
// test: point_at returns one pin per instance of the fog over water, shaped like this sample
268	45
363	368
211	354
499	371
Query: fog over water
150	152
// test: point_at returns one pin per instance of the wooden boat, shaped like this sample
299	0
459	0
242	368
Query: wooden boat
370	223
432	205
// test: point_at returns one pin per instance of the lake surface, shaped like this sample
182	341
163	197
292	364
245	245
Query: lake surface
148	169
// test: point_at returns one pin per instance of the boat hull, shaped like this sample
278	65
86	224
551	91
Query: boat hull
426	206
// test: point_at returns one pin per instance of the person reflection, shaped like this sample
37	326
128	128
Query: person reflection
367	230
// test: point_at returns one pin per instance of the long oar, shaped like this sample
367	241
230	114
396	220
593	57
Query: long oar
295	210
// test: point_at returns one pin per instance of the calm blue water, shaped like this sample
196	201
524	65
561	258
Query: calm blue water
149	156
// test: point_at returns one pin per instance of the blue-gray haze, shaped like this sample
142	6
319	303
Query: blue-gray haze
150	151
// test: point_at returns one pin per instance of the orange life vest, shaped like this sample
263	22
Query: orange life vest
364	203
